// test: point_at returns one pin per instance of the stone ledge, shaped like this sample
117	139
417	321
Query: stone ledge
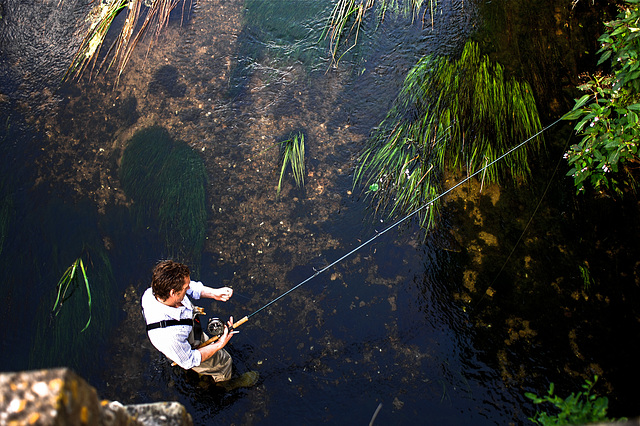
61	397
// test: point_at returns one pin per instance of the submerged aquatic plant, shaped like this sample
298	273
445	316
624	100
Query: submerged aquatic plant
460	114
166	180
587	279
101	18
68	284
351	13
292	152
62	334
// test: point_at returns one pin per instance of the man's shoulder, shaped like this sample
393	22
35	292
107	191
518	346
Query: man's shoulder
154	310
151	308
147	297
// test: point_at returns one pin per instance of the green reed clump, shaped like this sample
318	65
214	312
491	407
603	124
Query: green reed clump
449	114
166	179
292	153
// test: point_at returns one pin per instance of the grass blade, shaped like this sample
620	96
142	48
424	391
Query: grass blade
86	283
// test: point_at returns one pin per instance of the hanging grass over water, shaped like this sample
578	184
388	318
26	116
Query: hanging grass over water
166	180
459	114
292	152
67	286
101	18
351	13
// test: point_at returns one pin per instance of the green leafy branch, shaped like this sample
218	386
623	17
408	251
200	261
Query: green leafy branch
608	113
577	409
67	285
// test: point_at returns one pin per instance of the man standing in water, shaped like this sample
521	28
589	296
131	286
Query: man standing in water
175	331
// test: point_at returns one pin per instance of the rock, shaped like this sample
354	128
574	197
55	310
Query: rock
160	414
47	397
61	397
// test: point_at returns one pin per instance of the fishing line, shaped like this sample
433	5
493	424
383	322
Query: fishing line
387	229
404	219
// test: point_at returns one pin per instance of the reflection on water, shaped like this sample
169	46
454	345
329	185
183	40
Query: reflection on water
387	325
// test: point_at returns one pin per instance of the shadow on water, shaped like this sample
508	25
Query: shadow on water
405	322
165	81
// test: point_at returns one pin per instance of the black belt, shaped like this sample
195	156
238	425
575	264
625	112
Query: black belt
168	323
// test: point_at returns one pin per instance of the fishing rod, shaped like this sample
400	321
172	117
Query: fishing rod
378	234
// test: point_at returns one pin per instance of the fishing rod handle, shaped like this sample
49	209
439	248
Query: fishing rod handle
240	322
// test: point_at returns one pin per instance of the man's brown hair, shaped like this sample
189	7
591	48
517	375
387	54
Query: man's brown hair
168	275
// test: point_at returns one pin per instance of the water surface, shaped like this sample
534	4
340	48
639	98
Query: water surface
391	324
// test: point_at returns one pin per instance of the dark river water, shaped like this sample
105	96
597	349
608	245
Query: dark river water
448	328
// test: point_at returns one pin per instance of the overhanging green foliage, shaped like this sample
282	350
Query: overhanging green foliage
449	114
609	113
577	409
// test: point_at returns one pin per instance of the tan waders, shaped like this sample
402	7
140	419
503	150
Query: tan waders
219	366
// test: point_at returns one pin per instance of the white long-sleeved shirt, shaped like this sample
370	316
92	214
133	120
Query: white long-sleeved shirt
173	341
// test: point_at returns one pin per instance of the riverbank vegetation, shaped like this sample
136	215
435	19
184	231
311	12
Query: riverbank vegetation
607	155
582	408
450	114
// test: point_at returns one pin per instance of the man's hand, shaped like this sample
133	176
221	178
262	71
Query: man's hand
228	332
207	352
222	294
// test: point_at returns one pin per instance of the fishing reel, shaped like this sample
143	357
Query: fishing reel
215	327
